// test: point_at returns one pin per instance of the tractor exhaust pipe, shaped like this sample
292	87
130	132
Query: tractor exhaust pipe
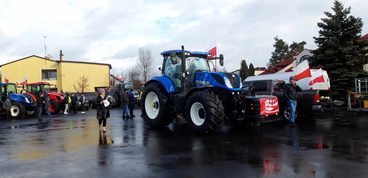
183	68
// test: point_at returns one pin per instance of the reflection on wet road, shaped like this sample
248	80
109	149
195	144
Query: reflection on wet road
72	146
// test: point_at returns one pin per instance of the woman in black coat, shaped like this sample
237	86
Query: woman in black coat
102	107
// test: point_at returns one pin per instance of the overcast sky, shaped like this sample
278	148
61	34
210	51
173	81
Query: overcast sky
112	31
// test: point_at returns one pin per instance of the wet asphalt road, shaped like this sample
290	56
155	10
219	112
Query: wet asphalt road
71	146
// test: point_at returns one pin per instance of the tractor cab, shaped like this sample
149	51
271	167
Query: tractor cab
56	98
195	62
34	88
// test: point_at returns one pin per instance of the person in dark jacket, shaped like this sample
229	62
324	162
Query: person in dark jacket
74	103
67	102
47	104
291	94
102	107
131	103
124	104
40	102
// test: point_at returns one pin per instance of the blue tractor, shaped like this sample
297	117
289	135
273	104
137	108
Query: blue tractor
187	88
20	104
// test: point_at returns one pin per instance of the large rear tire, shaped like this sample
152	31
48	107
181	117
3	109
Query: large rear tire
54	107
155	107
204	112
17	111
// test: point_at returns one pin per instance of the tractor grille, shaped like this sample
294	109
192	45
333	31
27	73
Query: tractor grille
234	80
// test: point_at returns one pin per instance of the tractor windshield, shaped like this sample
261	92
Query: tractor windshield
11	88
46	88
197	64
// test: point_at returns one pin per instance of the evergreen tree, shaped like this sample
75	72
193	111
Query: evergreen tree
251	69
281	51
244	71
339	51
296	48
284	51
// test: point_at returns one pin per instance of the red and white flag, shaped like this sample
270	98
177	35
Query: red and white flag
303	71
213	52
318	77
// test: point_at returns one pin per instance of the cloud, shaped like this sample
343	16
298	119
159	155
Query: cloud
112	31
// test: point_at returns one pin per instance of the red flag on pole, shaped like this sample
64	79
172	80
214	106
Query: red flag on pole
213	52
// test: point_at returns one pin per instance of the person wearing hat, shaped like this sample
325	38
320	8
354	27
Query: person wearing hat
291	94
102	107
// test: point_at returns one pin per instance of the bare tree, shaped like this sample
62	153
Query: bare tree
145	61
133	74
82	84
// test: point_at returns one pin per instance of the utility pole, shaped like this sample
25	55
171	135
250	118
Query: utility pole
44	43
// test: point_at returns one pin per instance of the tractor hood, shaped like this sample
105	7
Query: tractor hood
18	98
229	81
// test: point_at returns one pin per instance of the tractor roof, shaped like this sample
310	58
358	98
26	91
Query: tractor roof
3	84
203	54
39	83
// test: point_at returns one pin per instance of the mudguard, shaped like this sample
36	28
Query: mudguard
165	82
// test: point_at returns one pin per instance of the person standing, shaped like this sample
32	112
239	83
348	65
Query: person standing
40	102
131	103
47	104
124	104
102	107
291	93
82	101
74	103
67	102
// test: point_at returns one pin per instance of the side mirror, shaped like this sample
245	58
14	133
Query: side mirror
221	60
160	69
173	58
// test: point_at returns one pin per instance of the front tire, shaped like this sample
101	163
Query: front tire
17	111
155	107
54	107
204	112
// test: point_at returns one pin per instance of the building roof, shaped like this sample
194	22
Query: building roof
363	38
58	61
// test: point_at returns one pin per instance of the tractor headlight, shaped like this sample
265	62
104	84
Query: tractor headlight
227	82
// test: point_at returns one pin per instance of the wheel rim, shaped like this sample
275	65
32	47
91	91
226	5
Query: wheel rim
14	110
30	112
152	105
197	114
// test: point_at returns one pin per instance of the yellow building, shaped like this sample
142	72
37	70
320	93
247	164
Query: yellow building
65	75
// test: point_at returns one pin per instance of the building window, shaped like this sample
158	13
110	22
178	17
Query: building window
49	74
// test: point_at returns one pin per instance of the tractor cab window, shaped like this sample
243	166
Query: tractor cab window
46	88
195	64
33	89
173	71
11	89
